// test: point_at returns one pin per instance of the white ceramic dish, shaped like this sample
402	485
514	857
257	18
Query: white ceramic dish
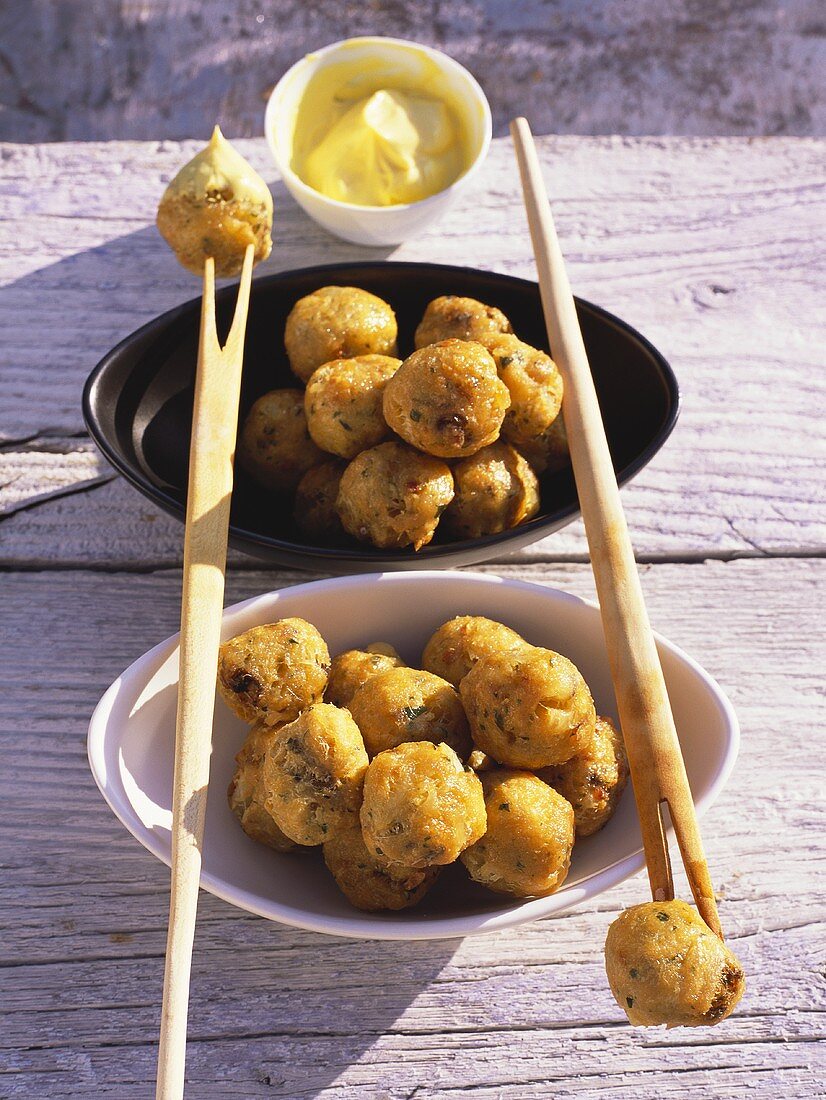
131	739
374	225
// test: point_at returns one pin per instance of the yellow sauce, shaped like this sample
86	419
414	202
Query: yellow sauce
220	172
377	136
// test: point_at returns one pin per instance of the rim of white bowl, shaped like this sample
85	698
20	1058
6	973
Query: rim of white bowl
444	60
411	928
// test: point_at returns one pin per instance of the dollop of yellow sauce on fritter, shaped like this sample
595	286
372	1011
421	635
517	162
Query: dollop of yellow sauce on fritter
216	206
377	136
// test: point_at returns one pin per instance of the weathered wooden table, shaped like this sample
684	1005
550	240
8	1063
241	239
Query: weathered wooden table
712	248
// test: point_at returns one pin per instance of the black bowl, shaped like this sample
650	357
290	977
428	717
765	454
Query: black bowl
137	404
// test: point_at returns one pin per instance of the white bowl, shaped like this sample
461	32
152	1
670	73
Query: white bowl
131	749
373	225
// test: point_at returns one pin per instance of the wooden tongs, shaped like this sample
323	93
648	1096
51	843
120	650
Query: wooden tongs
657	767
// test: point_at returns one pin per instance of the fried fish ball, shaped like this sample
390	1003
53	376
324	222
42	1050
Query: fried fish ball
666	966
422	807
337	322
593	779
392	495
216	206
547	452
406	704
534	384
246	791
528	708
455	318
313	774
526	849
495	490
275	447
459	643
315	500
271	673
369	882
343	403
447	399
354	667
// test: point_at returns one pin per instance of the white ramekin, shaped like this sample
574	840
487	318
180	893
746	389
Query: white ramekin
372	225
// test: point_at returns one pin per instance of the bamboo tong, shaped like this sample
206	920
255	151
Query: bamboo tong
211	452
657	767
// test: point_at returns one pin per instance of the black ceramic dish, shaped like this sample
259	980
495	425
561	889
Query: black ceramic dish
137	403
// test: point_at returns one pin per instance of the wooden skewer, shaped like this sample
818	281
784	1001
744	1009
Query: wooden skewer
211	451
656	762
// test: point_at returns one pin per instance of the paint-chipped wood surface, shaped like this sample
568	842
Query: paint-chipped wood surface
74	70
712	249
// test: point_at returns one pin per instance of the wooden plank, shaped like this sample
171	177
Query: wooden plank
643	67
277	1012
54	506
677	235
692	240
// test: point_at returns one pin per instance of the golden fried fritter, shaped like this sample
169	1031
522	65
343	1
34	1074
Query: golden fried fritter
315	501
392	495
216	206
337	322
275	447
526	849
528	708
313	774
369	882
271	673
547	452
534	385
593	779
447	399
666	966
458	644
455	318
343	403
495	489
246	791
422	807
354	667
406	704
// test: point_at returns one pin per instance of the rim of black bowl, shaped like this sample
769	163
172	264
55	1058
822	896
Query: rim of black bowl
473	549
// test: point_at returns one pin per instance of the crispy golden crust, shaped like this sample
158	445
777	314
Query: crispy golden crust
369	882
195	228
351	669
405	704
275	447
496	489
458	644
455	318
666	966
343	403
547	452
526	849
421	807
392	495
528	708
315	501
271	673
447	399
337	322
246	791
313	774
593	779
534	385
